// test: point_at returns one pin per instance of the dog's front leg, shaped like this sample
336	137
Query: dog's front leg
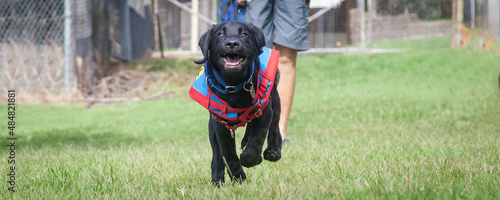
217	162
227	153
251	155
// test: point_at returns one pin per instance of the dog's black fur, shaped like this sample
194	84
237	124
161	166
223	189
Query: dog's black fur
244	41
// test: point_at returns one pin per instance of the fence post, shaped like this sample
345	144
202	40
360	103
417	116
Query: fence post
68	46
362	30
472	14
321	32
369	28
194	25
457	18
126	38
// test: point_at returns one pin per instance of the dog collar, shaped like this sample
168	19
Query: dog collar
217	83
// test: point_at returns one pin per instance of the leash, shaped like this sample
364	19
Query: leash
235	3
227	166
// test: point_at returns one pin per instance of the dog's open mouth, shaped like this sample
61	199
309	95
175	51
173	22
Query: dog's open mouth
232	60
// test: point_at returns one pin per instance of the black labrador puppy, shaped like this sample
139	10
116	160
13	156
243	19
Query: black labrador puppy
233	87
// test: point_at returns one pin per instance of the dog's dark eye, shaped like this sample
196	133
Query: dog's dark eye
244	34
220	34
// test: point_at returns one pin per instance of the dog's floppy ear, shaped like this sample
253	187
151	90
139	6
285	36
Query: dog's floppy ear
260	40
204	43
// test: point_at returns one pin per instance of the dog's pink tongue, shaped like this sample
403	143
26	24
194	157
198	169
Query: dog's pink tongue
232	60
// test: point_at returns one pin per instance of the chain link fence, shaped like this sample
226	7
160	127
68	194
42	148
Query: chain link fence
60	50
374	20
414	19
32	48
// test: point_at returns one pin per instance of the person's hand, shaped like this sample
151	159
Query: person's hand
243	2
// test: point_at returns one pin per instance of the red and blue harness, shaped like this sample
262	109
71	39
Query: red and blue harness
231	117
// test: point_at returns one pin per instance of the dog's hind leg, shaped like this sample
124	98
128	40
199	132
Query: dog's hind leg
227	148
274	140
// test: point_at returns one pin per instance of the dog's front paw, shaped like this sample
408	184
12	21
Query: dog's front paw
240	178
217	185
250	158
272	154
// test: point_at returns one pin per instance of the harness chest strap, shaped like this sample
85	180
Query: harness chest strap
220	109
263	93
246	115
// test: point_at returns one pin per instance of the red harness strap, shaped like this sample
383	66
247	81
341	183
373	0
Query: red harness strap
246	116
219	108
263	92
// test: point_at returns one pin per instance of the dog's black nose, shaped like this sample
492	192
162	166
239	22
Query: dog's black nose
232	44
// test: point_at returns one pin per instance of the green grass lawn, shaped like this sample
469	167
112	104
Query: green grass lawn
423	124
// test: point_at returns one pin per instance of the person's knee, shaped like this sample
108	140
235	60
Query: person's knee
286	61
288	57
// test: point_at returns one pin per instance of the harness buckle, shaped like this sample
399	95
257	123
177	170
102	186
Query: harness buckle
258	113
230	89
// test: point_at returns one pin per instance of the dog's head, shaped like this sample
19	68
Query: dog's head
231	46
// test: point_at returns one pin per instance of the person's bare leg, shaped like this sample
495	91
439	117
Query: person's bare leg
286	85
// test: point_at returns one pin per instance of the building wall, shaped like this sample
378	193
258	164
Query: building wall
494	14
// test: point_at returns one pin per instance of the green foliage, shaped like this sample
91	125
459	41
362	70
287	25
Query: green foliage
422	124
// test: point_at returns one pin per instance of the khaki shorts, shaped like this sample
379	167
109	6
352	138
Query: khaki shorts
284	22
